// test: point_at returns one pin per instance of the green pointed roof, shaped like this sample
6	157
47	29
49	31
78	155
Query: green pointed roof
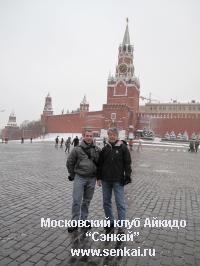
126	39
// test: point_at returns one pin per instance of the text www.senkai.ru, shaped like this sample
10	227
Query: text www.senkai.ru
127	252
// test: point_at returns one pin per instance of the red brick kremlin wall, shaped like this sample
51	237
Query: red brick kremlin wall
72	123
162	123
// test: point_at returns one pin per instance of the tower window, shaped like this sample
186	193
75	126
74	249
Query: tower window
113	116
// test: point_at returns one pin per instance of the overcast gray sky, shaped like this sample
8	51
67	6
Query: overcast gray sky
67	48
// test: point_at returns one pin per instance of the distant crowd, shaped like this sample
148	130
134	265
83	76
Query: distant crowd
68	143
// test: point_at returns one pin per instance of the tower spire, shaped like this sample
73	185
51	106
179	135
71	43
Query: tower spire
84	101
126	39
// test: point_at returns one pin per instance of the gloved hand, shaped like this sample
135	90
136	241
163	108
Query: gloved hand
126	180
71	178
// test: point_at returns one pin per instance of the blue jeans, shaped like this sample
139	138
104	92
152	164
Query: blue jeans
107	188
83	190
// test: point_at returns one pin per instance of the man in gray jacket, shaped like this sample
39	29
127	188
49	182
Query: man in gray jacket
82	168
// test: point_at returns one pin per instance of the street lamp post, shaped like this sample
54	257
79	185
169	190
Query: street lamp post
1	111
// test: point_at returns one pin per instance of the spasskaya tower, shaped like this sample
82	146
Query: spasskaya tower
121	109
123	88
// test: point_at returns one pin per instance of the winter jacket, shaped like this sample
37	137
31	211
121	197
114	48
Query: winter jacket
114	162
83	160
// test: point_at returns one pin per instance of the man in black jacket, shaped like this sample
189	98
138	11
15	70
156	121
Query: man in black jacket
114	172
75	141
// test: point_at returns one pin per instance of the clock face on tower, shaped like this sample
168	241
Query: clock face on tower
123	68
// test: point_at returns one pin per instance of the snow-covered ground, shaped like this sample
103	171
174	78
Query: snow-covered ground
51	138
157	142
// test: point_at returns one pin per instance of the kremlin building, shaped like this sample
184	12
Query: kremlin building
122	108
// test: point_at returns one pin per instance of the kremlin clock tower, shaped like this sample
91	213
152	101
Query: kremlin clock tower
123	89
122	106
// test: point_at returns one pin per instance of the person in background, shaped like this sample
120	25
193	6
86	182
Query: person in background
196	144
61	143
75	141
67	144
191	146
130	143
139	148
56	142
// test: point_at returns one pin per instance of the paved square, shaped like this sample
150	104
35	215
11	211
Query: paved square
34	184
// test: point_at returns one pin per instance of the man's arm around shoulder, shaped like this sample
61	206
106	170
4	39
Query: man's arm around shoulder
99	168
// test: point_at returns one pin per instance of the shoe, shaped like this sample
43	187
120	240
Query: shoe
109	228
72	229
88	226
111	225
